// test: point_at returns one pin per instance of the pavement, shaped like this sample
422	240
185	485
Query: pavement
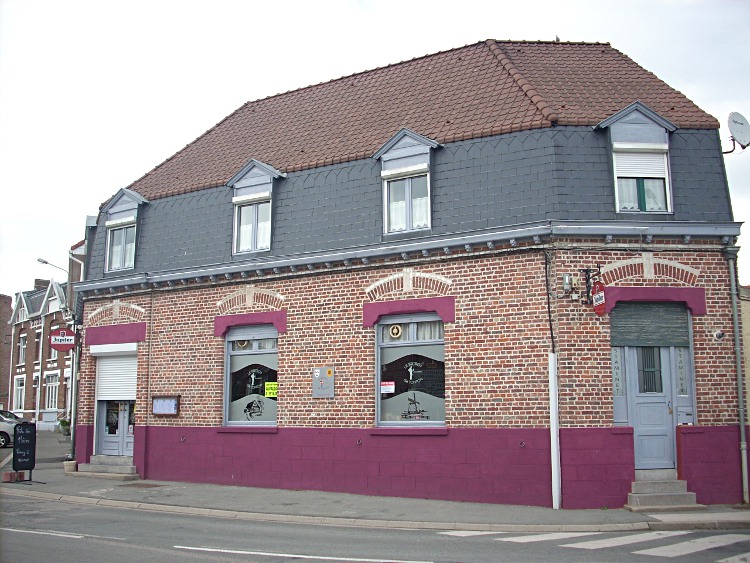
49	481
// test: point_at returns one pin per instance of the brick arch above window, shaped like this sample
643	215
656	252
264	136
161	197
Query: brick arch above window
407	281
250	297
648	267
116	312
444	307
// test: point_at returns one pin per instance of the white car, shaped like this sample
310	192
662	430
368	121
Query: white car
8	422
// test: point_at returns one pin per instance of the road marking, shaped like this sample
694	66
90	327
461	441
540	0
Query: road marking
295	555
6	460
693	546
741	558
548	537
467	533
50	533
623	540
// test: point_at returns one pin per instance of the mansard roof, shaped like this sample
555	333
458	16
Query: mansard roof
488	88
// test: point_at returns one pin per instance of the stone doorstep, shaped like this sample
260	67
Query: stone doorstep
110	476
670	508
111	460
109	469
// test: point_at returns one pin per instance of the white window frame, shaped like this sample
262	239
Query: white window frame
22	344
51	390
406	173
407	321
39	346
641	161
252	203
19	392
127	261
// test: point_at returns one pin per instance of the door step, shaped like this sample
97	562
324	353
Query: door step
659	490
117	467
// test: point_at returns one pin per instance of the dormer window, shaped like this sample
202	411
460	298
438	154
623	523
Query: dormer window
253	190
405	172
640	157
121	219
641	177
121	244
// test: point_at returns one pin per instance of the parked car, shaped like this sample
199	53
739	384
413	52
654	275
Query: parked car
6	431
9	416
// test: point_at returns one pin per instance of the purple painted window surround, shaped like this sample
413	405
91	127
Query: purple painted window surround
116	334
223	323
445	307
693	297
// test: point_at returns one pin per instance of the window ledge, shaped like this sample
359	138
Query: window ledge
405	235
394	431
247	430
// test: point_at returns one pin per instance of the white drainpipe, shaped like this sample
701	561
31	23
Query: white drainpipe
554	432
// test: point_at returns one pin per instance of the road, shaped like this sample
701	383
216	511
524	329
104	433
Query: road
34	530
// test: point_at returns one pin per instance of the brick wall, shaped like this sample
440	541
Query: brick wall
496	351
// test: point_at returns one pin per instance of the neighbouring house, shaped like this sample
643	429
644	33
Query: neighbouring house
500	273
6	335
40	383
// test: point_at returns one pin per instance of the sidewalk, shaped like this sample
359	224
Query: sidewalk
50	482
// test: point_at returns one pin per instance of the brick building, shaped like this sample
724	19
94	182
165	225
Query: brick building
499	273
40	383
6	308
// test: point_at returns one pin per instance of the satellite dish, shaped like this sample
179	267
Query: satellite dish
740	129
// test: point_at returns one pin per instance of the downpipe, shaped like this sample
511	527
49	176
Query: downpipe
730	253
554	432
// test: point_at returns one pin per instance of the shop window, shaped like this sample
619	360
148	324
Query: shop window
411	370
251	381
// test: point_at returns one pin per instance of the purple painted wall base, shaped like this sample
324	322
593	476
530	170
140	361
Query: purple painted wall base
598	466
84	437
708	458
502	466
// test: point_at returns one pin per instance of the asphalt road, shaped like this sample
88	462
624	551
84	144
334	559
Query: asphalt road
40	530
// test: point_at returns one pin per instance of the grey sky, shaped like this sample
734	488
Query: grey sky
94	94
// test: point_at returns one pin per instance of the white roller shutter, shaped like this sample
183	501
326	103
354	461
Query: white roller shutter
640	165
116	378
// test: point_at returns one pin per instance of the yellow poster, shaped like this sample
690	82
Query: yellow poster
271	389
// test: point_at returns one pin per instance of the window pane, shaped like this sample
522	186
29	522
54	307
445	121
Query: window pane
430	330
129	236
395	333
656	197
416	389
396	205
627	192
264	226
649	370
419	202
245	217
252	391
115	249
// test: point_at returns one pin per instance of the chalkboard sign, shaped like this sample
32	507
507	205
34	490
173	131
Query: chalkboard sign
24	446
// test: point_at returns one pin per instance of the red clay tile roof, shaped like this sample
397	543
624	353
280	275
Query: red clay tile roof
484	89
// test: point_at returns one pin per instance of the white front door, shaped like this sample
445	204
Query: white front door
651	408
116	427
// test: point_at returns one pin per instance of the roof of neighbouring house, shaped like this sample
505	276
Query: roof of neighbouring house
484	89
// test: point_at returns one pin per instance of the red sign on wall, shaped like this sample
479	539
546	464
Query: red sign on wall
62	339
597	298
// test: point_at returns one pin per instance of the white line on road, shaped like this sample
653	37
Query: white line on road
741	558
467	533
693	546
295	555
58	534
624	540
548	537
